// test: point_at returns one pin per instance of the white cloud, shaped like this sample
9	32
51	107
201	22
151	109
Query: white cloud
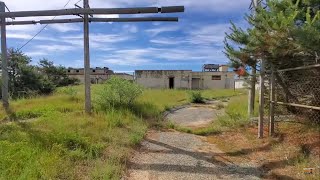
36	53
167	41
130	28
159	30
65	27
54	48
149	56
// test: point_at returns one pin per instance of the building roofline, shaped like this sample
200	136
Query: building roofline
163	70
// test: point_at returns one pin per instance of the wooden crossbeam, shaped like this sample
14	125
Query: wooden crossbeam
75	11
75	20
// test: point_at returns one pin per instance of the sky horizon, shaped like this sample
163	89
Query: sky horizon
195	40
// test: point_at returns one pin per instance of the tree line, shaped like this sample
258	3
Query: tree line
26	79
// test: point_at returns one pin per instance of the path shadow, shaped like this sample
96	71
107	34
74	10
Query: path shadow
220	168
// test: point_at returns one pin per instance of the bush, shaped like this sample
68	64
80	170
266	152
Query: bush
196	97
71	92
118	92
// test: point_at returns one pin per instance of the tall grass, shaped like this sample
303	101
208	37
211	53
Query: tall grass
62	142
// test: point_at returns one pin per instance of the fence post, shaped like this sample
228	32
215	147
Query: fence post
252	92
261	99
272	101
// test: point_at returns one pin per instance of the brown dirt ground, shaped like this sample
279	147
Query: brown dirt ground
283	157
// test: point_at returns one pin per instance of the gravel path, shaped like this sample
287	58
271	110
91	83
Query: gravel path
174	155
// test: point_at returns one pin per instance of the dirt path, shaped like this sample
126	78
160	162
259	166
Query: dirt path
173	155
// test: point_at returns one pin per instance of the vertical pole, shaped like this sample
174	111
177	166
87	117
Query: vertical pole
5	78
261	100
252	92
272	102
87	72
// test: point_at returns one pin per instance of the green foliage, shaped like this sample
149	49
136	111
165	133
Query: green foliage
56	74
26	80
70	91
286	34
196	97
118	92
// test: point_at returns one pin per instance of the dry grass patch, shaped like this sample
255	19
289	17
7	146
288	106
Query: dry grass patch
281	157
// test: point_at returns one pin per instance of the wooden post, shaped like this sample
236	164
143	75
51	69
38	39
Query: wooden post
5	78
261	100
252	92
272	102
87	81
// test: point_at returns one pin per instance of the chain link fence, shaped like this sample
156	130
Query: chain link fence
294	94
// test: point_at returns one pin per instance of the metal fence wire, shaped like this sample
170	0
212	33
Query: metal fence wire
294	94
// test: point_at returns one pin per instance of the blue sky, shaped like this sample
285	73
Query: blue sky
196	39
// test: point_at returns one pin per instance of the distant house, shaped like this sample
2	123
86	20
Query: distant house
126	76
97	75
220	78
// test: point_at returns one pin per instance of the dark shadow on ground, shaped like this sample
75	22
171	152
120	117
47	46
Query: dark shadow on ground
221	169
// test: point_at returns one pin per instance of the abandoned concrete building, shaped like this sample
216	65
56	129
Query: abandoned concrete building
97	75
217	78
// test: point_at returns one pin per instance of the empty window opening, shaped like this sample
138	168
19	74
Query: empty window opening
216	77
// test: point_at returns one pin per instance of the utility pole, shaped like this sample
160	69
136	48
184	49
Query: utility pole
5	78
252	90
85	12
87	69
272	101
261	99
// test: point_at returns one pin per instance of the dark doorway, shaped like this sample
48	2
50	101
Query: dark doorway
171	83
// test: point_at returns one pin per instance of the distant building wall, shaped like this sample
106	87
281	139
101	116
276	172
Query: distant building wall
214	80
185	79
243	83
97	75
161	78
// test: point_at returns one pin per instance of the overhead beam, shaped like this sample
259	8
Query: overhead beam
75	11
138	19
4	61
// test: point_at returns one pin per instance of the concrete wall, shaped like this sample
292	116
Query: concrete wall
160	79
98	75
207	82
185	79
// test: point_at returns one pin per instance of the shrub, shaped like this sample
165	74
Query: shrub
196	97
118	92
71	92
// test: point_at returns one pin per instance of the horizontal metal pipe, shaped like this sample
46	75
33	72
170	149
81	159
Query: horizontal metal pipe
297	105
74	11
138	19
300	68
61	21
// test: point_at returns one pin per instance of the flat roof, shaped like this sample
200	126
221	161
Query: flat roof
163	70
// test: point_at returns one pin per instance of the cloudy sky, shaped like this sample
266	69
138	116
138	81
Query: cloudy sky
196	39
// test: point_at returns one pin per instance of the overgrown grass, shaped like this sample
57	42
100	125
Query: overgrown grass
62	142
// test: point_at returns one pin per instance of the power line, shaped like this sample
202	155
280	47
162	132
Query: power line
44	27
77	2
